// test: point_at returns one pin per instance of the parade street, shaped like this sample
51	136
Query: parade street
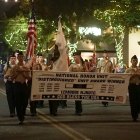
96	123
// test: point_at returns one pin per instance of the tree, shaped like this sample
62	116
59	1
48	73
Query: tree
119	14
16	33
122	17
47	17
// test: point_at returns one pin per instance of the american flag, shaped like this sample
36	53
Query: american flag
32	37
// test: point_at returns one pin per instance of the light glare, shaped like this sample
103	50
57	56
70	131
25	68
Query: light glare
90	30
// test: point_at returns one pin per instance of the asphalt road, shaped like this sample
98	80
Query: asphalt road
96	123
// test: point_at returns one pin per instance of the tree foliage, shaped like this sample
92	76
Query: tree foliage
121	15
16	33
115	13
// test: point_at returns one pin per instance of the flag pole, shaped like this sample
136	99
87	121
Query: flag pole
60	17
32	8
94	57
32	5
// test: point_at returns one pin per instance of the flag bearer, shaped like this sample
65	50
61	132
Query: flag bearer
134	88
20	74
32	64
53	104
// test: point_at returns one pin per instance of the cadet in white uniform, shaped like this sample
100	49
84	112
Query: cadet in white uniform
78	66
105	66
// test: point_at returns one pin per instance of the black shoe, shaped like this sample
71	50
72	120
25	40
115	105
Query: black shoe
21	123
12	115
54	114
135	119
33	114
105	104
64	106
78	114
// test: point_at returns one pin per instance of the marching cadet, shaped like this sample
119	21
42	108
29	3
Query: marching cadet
9	84
32	64
53	104
78	66
105	66
41	61
134	88
20	74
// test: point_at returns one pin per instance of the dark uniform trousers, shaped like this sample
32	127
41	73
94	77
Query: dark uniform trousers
78	106
134	98
21	99
32	103
10	96
62	103
53	105
40	103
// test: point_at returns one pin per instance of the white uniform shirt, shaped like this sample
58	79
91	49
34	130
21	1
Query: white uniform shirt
105	66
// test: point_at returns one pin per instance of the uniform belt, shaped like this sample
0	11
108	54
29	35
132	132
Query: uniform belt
137	83
10	80
20	82
134	83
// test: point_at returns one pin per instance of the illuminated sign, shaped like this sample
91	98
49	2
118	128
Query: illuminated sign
90	30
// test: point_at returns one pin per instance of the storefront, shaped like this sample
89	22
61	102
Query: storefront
87	48
134	44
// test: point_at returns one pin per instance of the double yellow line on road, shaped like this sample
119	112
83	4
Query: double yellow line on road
60	126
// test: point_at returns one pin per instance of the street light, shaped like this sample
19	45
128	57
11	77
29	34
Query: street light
8	0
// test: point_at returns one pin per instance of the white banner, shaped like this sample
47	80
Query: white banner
79	86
